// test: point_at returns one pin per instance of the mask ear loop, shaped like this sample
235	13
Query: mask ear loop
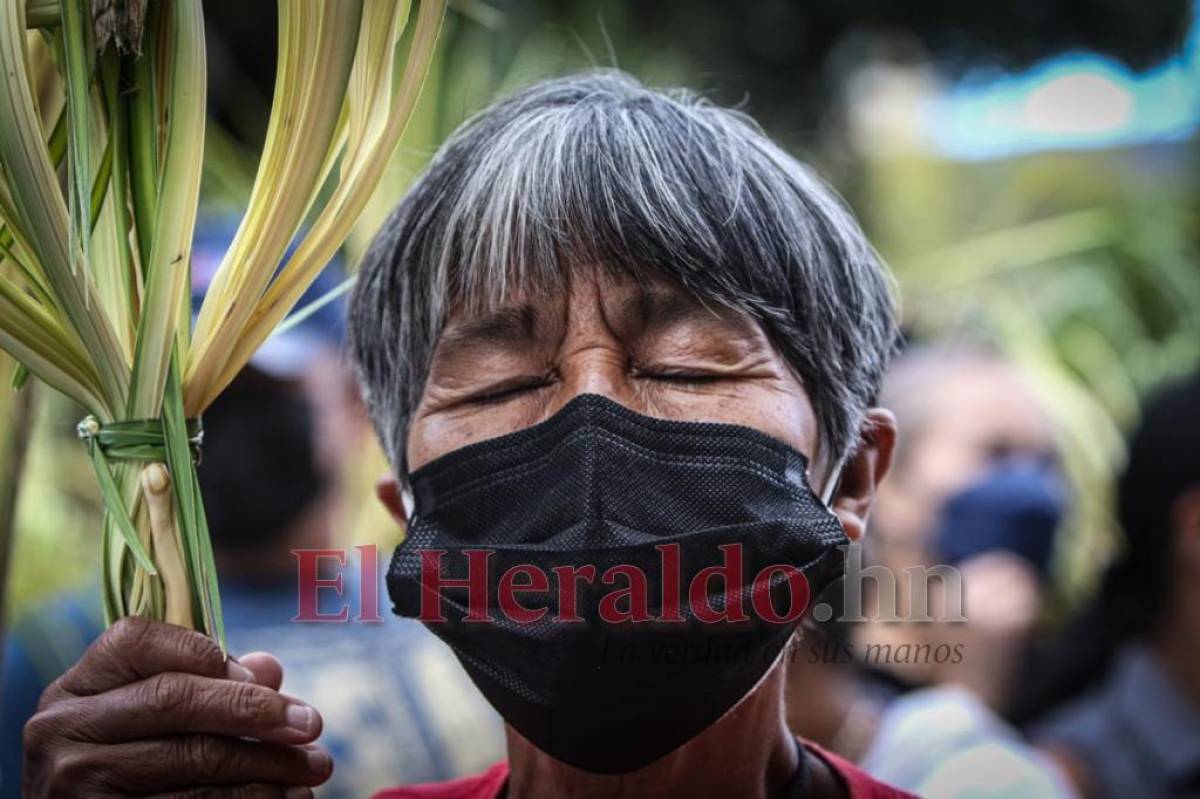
834	482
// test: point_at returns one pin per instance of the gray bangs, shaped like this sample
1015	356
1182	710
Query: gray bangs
597	170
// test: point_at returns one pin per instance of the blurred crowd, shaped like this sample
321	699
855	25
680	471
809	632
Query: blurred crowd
954	682
950	660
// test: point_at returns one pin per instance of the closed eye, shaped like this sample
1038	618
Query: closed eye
508	389
681	377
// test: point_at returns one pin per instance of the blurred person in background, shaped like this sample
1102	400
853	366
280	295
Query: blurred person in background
975	487
398	707
1135	652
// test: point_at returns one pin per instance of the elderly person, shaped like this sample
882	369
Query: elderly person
622	352
973	484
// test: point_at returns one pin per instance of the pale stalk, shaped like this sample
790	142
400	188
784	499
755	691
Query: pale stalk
167	284
156	487
174	223
132	588
383	23
115	268
111	265
46	369
43	74
42	213
113	242
36	339
79	58
16	250
376	126
142	140
316	52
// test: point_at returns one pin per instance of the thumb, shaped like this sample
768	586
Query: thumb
266	668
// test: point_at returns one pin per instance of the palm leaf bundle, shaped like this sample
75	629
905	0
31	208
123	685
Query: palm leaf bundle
102	118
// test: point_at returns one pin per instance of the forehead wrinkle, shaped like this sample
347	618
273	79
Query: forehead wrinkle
653	309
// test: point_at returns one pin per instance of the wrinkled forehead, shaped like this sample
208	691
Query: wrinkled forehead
629	303
476	289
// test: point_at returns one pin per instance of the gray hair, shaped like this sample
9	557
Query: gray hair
597	169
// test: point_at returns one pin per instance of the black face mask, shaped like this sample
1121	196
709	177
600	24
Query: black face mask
599	486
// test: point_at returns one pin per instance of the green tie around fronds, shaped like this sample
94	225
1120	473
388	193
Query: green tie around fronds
175	441
117	440
140	440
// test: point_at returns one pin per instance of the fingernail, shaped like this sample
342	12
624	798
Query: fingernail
318	761
302	718
297	792
236	671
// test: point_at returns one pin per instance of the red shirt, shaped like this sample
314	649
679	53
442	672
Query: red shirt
488	785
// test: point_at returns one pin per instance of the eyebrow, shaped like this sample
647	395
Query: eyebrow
510	328
646	311
653	309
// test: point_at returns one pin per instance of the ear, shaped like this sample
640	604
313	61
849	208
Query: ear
388	489
863	472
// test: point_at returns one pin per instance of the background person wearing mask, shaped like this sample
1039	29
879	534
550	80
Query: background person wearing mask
1137	732
975	487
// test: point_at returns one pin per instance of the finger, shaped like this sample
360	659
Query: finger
250	791
136	648
182	761
266	668
171	703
